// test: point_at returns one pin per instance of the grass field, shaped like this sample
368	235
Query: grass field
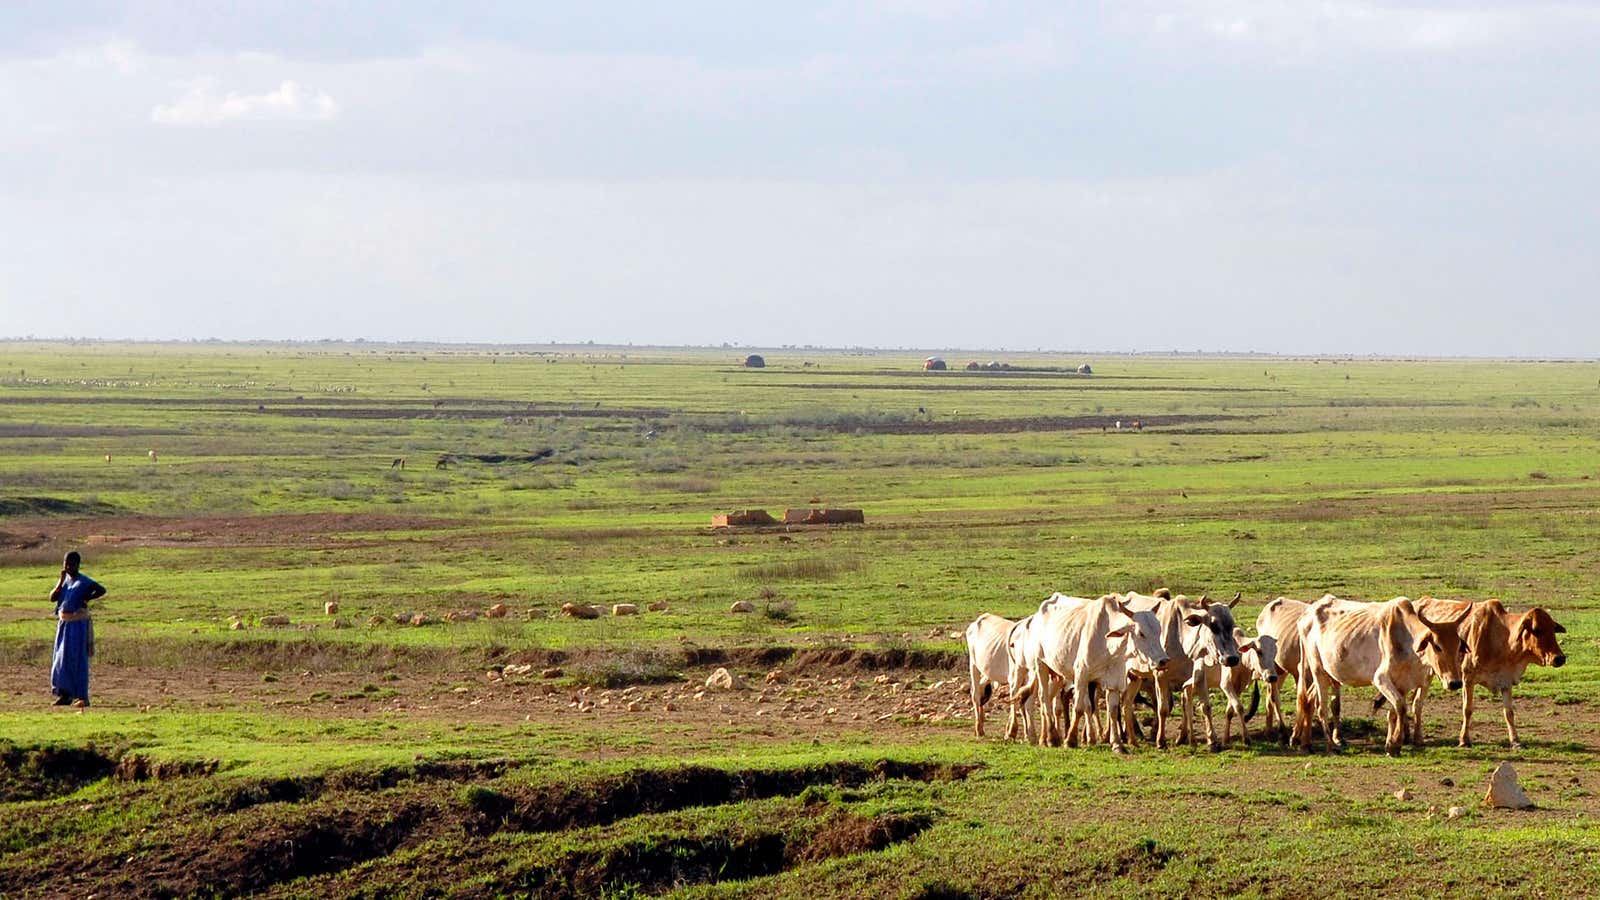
347	754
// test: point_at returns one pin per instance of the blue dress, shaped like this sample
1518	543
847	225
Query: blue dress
69	668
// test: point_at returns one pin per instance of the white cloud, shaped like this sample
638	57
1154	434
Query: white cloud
201	105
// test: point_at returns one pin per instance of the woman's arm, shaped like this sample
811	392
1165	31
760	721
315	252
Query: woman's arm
95	592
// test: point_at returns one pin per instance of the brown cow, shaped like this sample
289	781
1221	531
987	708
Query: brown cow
1499	647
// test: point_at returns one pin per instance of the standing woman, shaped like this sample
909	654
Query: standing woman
69	668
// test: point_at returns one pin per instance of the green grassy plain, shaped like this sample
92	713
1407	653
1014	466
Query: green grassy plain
272	492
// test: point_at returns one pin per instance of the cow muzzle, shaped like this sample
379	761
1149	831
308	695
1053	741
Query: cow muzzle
1161	664
1231	660
1559	661
1272	679
1455	684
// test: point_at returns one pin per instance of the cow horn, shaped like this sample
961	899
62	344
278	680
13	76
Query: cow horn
1463	617
1237	595
1204	600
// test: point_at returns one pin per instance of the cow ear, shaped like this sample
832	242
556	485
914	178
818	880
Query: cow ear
1560	629
1119	631
1235	601
1429	640
1247	646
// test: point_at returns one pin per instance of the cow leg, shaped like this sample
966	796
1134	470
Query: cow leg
1327	714
1158	692
976	679
1129	727
1200	695
1080	708
1416	715
1113	723
1511	718
1398	701
1466	715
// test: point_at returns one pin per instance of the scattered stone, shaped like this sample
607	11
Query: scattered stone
624	609
1504	791
742	606
236	625
421	619
534	612
723	680
669	706
375	619
658	606
725	709
901	584
633	706
1402	795
461	615
579	611
552	672
1447	782
497	611
776	676
882	679
1455	812
831	711
402	618
275	621
340	623
331	608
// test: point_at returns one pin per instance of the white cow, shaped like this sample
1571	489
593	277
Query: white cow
987	662
1193	632
1280	620
1388	645
1257	662
1022	656
1092	642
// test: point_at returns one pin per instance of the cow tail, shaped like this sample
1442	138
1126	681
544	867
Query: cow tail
1255	700
1377	703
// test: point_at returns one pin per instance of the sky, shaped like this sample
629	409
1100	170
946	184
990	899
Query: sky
1307	176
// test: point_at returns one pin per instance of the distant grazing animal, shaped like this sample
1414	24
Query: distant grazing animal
108	457
152	456
1499	646
443	462
399	463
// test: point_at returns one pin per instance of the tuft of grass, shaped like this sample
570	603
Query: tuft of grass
816	568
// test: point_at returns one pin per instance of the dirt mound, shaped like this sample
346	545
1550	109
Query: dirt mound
52	506
37	773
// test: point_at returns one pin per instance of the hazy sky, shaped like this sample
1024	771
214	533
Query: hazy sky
1298	176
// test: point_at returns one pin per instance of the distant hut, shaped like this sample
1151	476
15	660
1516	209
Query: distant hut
754	361
1085	370
974	366
933	364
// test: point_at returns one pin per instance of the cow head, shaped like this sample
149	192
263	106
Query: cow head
1208	631
1143	631
1440	647
1260	654
1535	633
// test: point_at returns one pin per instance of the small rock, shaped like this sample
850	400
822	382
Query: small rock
723	680
624	609
776	676
633	706
497	611
534	612
552	672
1504	791
725	709
331	608
275	621
579	611
1447	782
461	615
1455	812
882	679
236	625
1402	795
340	623
375	620
901	584
669	706
658	606
742	606
421	619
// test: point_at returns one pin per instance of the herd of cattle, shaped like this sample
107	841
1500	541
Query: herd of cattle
1060	664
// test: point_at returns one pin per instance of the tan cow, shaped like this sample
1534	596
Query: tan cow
1499	647
1387	645
1280	620
987	663
1092	642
